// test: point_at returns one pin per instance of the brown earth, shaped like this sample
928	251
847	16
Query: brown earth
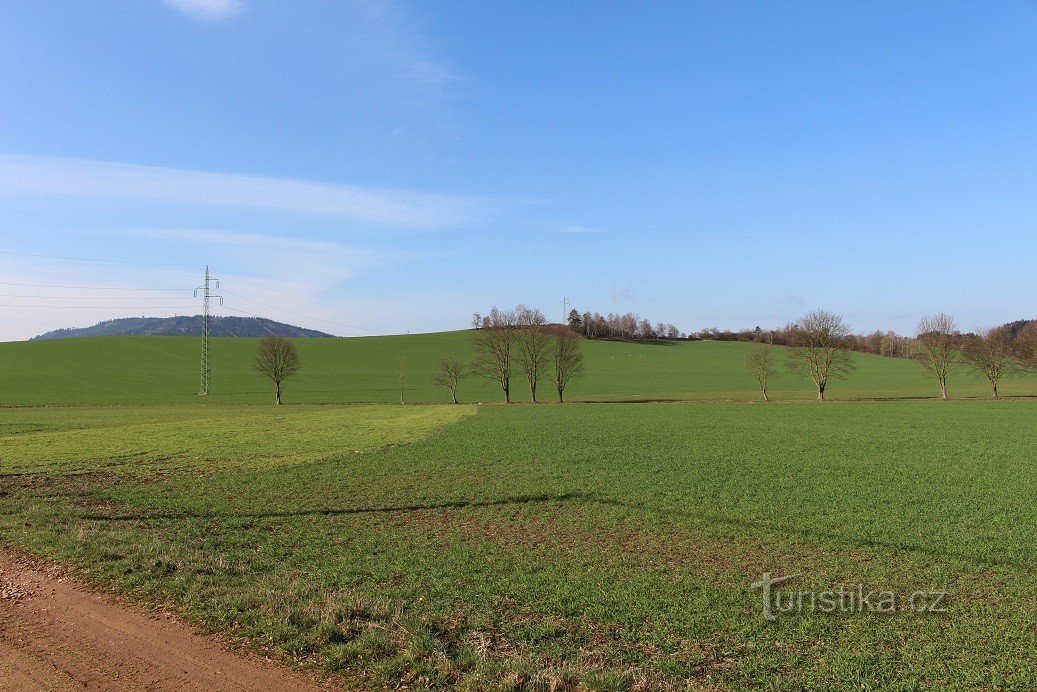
56	634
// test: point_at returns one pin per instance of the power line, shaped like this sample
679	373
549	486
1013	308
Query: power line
297	314
107	261
91	288
14	295
258	317
104	307
323	305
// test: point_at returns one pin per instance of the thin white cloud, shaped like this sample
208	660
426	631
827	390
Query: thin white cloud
432	73
246	239
321	263
392	36
577	229
32	175
211	10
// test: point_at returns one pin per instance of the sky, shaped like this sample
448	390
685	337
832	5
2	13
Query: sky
374	167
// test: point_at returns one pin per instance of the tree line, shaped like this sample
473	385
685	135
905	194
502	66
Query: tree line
592	325
820	344
518	343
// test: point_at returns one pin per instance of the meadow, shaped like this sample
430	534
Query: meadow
607	546
603	546
122	370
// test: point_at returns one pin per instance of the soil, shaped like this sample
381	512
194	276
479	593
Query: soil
56	634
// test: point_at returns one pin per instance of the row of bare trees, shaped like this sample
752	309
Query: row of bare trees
819	348
517	343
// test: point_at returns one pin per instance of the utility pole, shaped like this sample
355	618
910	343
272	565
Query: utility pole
565	310
206	289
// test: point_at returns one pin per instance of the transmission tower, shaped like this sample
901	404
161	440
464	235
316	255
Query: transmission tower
565	310
206	289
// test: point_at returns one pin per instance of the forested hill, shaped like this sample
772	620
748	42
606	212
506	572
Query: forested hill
186	325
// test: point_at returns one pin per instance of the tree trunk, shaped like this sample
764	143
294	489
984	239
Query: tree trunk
453	395
943	390
277	385
821	392
560	396
765	394
533	392
507	394
995	389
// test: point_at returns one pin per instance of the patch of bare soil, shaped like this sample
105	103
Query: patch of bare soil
56	634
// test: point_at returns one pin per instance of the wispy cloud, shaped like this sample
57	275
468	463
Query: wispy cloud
31	175
211	10
577	229
392	37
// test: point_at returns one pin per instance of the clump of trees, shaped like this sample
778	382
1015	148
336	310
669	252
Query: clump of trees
521	341
881	343
626	327
277	360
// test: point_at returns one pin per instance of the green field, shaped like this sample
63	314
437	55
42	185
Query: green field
364	369
588	546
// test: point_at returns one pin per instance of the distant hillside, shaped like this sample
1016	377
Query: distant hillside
187	325
141	369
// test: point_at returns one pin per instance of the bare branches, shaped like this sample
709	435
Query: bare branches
818	342
534	344
937	339
991	353
759	363
566	360
494	347
277	359
450	373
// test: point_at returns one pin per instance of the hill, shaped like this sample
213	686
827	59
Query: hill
185	325
365	369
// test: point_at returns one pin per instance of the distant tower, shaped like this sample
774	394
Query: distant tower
206	289
565	310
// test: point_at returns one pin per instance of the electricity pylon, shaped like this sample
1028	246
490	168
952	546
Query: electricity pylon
206	289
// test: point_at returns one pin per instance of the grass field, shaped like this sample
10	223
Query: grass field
165	370
607	545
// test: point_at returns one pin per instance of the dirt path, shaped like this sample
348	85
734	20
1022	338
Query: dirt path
57	635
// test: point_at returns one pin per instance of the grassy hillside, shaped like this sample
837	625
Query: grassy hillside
165	370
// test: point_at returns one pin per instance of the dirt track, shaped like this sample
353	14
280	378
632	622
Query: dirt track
58	635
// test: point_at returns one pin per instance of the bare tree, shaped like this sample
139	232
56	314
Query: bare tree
991	354
494	346
759	363
534	353
277	359
817	342
936	338
450	373
566	360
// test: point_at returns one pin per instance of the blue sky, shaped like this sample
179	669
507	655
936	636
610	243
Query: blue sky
389	166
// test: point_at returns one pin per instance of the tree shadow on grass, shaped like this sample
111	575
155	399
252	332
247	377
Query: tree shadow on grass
345	511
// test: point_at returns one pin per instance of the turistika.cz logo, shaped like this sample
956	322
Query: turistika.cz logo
846	599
